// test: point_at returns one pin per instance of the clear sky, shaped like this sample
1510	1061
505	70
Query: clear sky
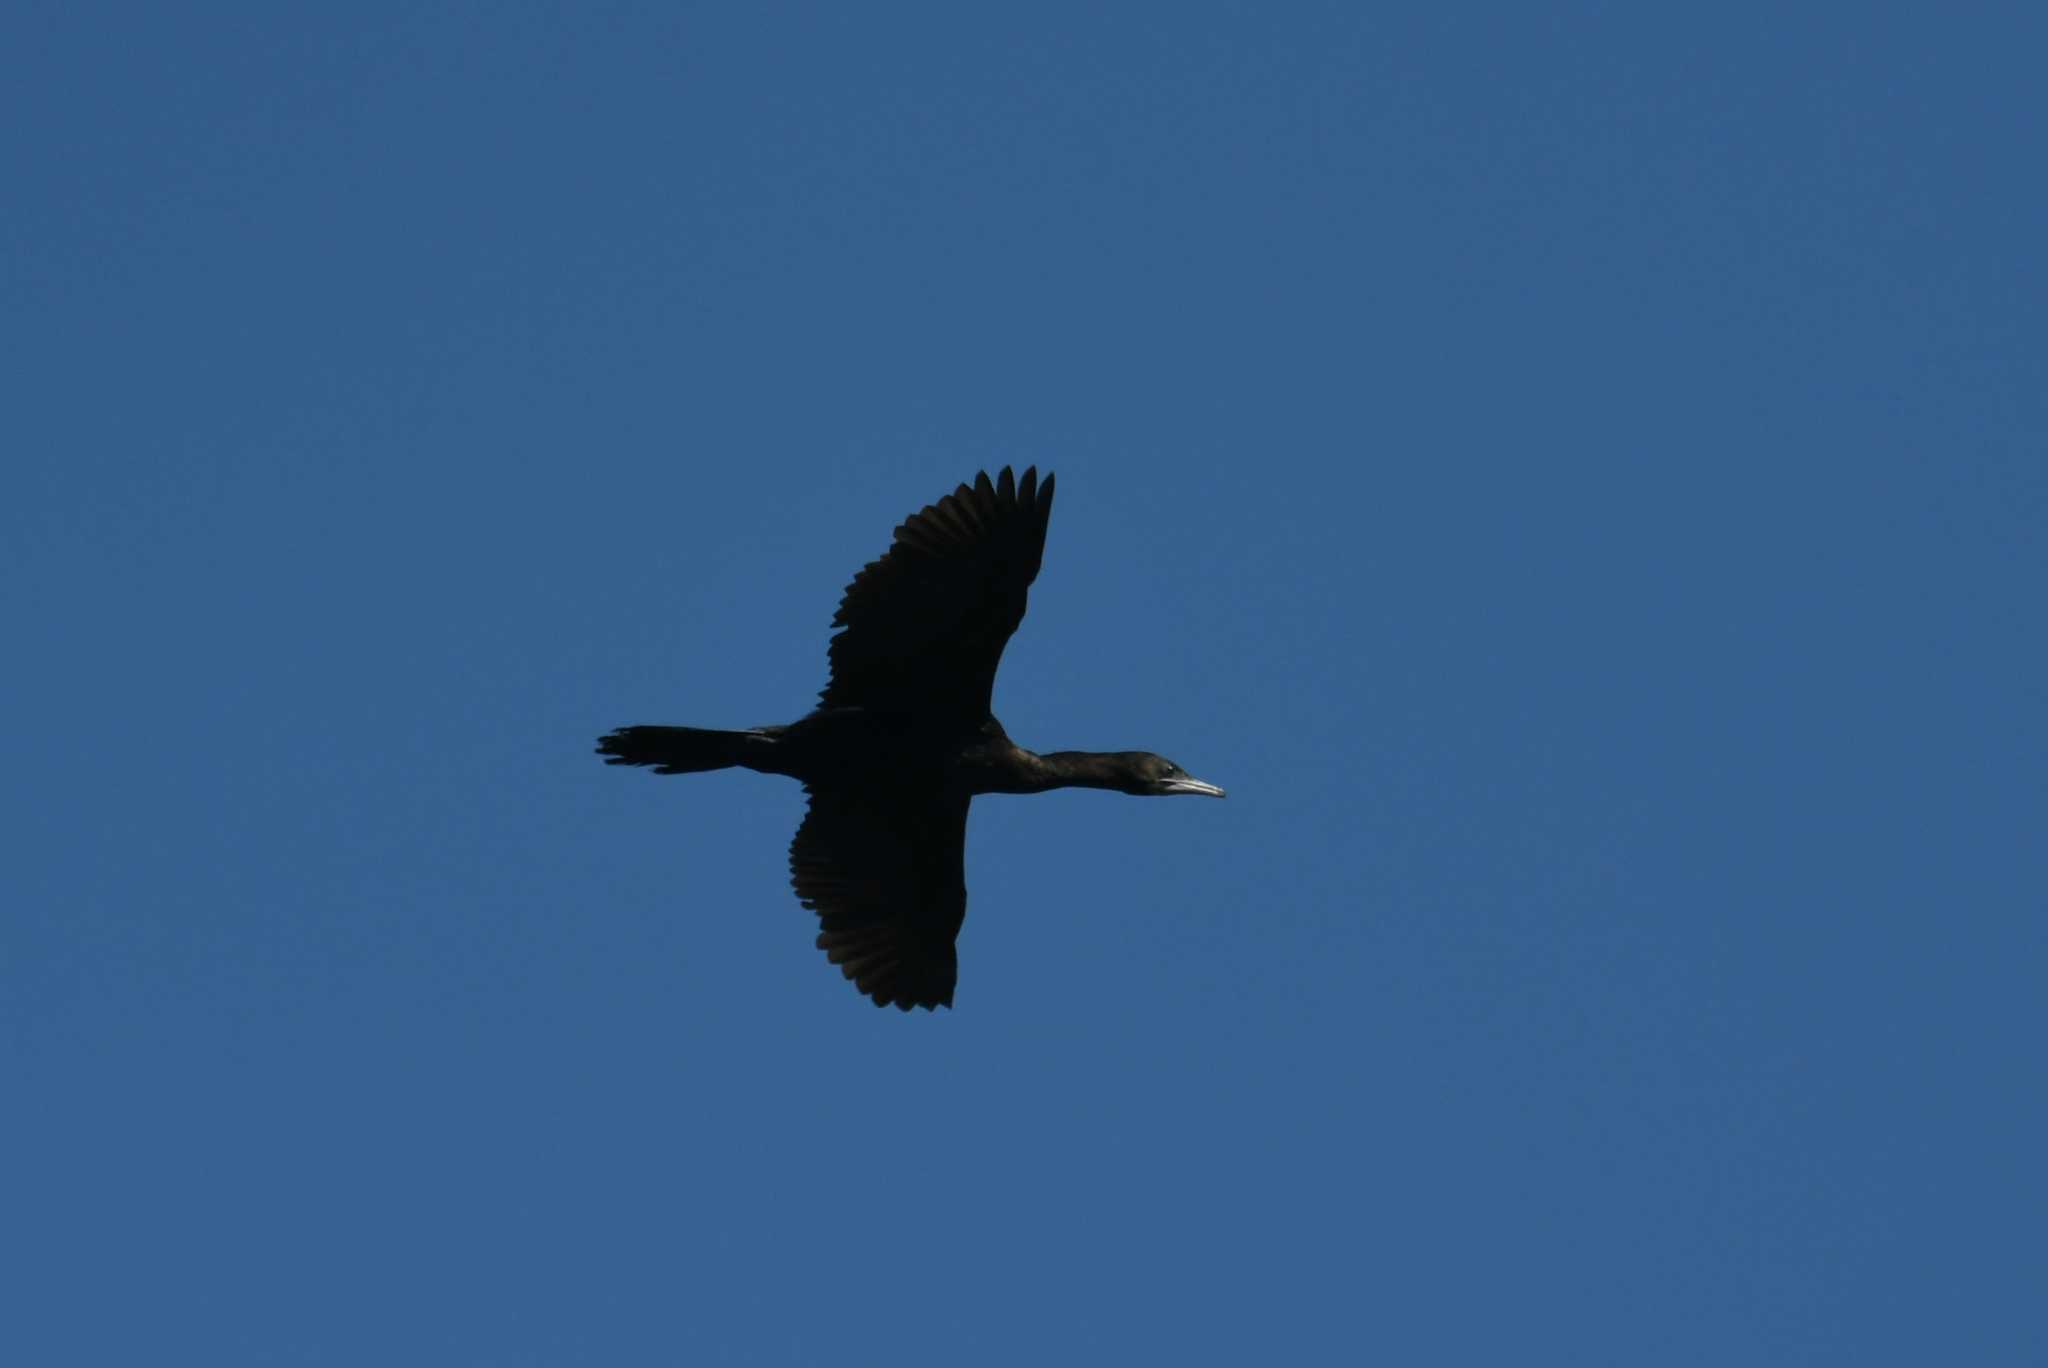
1576	475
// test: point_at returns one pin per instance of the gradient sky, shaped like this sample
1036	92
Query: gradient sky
1576	475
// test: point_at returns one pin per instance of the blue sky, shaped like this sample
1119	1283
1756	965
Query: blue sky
1576	475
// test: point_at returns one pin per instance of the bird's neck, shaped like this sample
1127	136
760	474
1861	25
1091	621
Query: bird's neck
1077	769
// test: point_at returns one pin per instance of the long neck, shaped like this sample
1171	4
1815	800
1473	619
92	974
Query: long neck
1079	769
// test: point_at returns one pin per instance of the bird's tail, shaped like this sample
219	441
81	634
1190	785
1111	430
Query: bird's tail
687	750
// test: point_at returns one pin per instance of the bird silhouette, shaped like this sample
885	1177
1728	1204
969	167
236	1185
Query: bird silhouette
903	739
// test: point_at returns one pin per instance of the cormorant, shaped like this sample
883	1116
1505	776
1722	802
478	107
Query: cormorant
902	739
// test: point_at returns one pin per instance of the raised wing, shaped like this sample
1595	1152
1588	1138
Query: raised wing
885	873
923	628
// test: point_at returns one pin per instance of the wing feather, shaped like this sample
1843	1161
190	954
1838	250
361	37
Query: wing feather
923	627
885	872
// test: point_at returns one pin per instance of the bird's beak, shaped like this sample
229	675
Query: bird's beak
1190	786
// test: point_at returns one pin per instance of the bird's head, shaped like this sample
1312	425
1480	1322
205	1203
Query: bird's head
1147	774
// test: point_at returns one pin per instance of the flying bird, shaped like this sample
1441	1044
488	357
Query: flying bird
903	739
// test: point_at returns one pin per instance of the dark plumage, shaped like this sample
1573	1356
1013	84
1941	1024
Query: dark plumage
902	739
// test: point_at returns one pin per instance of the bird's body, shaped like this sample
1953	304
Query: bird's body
903	739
